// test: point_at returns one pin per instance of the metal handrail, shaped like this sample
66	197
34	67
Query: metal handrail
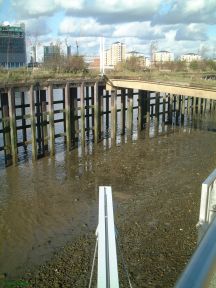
202	266
199	271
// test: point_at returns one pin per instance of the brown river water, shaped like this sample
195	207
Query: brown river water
156	179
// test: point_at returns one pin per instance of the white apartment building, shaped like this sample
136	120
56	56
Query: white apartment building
189	57
115	54
163	56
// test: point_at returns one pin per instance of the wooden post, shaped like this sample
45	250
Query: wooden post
171	108
130	111
6	129
204	106
157	107
208	105
100	112
87	109
96	112
189	104
141	108
12	115
194	105
164	108
176	109
23	117
199	105
107	108
33	122
148	107
74	114
51	120
68	116
182	108
82	112
44	120
92	104
113	113
123	106
174	103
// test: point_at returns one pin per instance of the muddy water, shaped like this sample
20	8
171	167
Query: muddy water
156	179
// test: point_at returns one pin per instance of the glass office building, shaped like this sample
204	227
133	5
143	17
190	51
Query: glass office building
12	46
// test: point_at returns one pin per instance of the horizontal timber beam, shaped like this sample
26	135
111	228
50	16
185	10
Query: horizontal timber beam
165	88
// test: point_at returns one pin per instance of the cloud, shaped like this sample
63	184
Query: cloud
72	4
37	8
83	27
37	27
138	30
118	11
192	32
187	11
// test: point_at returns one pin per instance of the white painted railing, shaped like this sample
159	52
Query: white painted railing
107	276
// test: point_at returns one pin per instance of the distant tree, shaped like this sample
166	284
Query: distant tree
211	65
194	65
61	63
133	63
75	63
180	65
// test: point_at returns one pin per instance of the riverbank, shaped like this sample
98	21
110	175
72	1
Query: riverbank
156	187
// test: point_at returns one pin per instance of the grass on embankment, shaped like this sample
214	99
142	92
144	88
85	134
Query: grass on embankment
24	75
181	78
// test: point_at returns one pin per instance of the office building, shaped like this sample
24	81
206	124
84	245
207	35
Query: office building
51	52
12	46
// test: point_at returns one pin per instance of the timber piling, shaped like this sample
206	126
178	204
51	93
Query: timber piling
35	117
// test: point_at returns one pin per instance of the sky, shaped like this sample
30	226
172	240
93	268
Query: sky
179	26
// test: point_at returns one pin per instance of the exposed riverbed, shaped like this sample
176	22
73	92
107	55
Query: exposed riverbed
49	209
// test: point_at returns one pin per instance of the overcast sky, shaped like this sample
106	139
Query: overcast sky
175	25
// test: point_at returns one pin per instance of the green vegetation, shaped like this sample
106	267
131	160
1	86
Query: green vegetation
13	283
74	67
178	72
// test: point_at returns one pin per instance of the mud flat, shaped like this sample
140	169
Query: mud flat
156	186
